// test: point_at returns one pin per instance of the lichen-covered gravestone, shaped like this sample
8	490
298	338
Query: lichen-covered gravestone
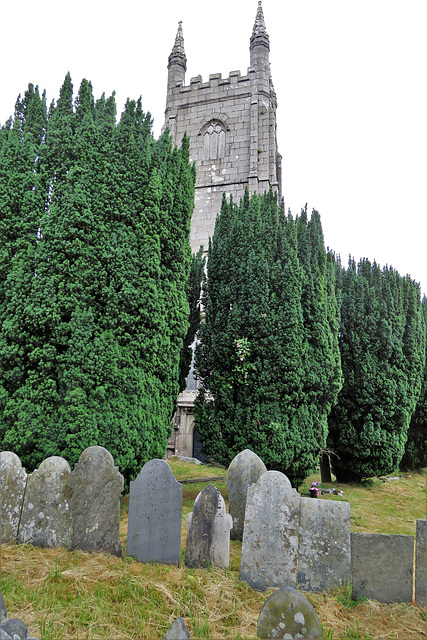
46	512
95	504
178	631
288	615
3	612
155	512
270	538
208	531
421	563
324	546
382	566
13	479
244	470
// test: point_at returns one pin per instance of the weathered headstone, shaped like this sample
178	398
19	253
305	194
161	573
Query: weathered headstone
15	629
155	512
288	615
13	479
3	612
244	470
382	566
46	512
95	504
208	531
324	545
271	531
421	563
178	631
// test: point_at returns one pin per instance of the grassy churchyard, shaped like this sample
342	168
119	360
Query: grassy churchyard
64	595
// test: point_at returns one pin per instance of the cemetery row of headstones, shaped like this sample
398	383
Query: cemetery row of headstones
287	540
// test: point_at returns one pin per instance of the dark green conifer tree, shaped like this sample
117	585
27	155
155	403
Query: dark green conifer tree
106	312
21	208
415	456
256	358
382	344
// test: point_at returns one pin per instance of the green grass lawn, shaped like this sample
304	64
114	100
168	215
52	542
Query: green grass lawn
64	595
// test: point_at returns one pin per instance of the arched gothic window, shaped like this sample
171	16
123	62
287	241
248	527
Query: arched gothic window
214	141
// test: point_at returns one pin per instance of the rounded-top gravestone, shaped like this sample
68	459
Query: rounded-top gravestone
288	615
46	512
271	532
244	470
13	479
155	514
95	504
208	531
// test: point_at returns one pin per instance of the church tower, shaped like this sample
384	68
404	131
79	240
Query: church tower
231	124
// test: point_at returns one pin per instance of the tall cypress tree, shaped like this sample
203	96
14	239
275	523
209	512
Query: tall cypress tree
415	456
257	348
106	312
382	343
21	205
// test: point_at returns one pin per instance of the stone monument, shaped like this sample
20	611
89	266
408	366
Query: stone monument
95	505
288	615
271	533
244	470
208	531
155	513
46	513
382	566
324	545
13	479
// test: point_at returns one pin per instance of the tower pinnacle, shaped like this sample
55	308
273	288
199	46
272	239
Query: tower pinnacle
179	41
177	62
260	43
259	26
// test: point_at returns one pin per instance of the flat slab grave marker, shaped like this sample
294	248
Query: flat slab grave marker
208	531
95	504
382	566
13	479
271	532
288	615
324	544
244	470
155	513
46	512
421	563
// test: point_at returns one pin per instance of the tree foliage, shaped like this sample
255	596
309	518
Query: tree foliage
94	268
415	456
268	360
382	345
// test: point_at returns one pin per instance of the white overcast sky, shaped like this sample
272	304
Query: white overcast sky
350	78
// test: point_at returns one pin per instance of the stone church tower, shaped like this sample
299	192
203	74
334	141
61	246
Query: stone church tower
231	123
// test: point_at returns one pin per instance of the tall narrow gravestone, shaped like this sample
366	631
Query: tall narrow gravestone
95	504
421	563
155	512
271	532
46	513
13	479
244	470
324	545
208	535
